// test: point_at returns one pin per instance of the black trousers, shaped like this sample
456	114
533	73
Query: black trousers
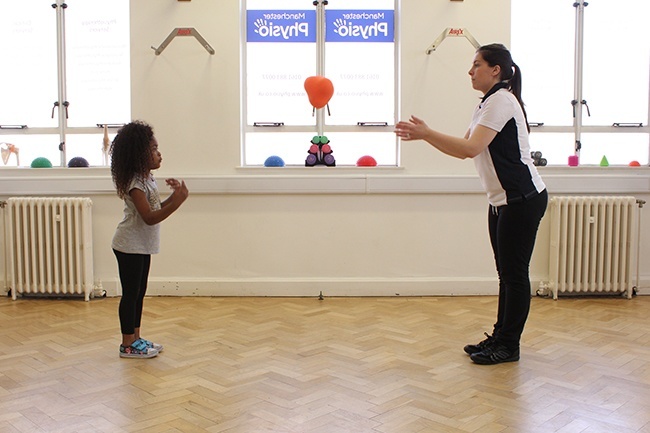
134	273
513	229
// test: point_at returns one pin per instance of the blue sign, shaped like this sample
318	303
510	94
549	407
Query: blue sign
281	26
359	26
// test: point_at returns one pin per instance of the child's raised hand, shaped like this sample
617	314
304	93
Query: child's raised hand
179	188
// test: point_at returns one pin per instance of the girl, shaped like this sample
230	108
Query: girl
497	140
134	154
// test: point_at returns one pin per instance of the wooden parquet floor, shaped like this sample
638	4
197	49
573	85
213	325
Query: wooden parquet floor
339	365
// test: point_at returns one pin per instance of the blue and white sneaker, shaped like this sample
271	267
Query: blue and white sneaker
138	349
152	345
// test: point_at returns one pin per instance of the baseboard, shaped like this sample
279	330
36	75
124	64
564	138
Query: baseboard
301	287
353	287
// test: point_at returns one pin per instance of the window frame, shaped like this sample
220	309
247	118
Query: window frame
579	129
320	114
60	106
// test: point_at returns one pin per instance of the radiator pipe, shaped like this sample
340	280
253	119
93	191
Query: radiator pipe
638	243
5	265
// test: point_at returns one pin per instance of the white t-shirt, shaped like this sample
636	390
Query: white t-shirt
505	167
133	235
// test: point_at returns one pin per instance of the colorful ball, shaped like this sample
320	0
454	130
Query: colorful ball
311	160
635	164
274	161
366	161
41	162
329	159
78	161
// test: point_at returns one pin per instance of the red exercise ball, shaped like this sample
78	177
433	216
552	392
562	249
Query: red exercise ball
366	161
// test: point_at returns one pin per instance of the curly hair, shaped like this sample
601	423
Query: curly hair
130	155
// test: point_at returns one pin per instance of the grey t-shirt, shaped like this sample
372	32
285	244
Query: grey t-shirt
133	235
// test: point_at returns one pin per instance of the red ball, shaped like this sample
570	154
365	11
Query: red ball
635	164
366	161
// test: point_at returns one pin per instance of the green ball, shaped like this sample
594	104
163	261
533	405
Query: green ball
41	162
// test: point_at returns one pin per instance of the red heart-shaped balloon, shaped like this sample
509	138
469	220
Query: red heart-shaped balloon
319	90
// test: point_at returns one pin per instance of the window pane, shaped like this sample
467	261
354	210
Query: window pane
357	53
619	149
280	55
555	147
543	37
98	62
347	148
616	64
292	147
28	76
31	147
87	146
360	61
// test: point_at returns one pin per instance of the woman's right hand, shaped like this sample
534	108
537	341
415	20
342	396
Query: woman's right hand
414	129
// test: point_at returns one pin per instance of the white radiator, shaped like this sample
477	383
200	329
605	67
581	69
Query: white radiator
592	245
49	244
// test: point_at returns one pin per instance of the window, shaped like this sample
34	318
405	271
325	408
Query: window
350	42
66	74
585	72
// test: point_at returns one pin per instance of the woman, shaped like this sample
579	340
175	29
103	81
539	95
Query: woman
497	140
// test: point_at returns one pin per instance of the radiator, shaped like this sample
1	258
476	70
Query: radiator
49	244
592	245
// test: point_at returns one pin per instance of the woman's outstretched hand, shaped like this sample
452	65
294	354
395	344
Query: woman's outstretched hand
414	129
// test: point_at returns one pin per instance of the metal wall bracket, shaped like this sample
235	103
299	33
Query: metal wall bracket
183	31
453	32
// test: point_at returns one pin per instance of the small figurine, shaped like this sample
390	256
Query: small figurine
106	146
6	153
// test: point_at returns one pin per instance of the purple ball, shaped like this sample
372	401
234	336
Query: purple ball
78	161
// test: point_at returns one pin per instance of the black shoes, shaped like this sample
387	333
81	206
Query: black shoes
476	348
490	352
495	354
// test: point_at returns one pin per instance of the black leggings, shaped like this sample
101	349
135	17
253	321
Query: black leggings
513	229
134	273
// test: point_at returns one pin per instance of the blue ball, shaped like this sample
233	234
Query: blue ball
274	161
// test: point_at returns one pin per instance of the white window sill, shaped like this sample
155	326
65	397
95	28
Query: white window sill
325	180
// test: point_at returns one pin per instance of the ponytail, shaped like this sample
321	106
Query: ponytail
514	85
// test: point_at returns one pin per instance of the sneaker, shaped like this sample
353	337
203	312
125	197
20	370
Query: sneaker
152	345
479	347
138	349
496	353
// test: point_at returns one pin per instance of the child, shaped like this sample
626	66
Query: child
134	153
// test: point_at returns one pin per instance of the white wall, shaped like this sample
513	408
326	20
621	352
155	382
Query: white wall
415	230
